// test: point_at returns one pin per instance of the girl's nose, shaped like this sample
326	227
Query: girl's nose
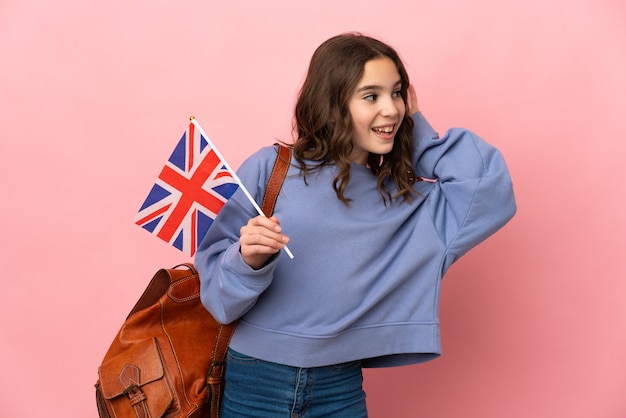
390	107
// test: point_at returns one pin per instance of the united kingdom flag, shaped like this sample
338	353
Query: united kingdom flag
188	194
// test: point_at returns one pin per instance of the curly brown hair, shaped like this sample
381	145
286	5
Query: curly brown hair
323	123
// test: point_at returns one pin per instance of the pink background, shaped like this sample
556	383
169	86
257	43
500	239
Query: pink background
94	95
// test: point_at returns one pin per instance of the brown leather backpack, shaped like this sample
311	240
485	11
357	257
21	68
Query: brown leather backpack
168	358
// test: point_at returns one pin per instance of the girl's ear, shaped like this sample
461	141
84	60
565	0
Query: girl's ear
412	99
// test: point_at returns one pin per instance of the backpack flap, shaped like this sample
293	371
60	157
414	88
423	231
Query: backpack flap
133	376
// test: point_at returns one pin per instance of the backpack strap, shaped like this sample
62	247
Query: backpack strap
215	376
277	176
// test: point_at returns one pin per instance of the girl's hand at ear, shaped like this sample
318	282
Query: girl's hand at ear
260	239
413	107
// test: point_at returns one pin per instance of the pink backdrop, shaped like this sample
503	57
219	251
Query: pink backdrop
94	96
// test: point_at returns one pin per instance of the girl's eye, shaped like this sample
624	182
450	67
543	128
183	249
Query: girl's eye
397	93
370	97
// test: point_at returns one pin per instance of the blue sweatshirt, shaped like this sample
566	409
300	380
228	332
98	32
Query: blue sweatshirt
365	280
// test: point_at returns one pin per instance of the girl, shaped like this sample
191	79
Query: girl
372	238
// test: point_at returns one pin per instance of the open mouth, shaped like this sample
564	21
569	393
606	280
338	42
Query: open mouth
386	130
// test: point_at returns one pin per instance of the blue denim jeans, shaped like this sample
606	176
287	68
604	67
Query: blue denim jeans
257	388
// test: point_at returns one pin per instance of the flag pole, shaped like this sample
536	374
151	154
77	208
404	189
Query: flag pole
234	174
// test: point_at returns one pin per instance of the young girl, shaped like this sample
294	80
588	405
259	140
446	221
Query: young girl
371	235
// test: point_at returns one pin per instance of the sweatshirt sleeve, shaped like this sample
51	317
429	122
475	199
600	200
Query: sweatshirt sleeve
473	195
228	286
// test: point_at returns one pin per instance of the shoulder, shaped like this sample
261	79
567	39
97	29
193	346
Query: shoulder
259	164
262	154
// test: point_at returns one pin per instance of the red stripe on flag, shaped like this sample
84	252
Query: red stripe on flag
192	191
193	231
153	215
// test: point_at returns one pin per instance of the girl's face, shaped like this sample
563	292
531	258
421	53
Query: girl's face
377	109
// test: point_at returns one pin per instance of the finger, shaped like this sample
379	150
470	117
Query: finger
256	249
271	223
262	231
263	238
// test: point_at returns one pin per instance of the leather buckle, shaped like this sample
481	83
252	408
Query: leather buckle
132	391
134	394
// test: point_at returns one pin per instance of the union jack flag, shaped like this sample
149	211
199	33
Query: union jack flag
188	194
